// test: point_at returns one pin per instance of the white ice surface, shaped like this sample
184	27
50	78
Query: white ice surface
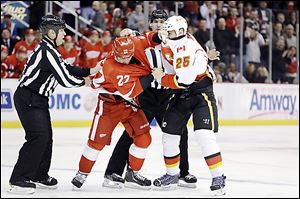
260	161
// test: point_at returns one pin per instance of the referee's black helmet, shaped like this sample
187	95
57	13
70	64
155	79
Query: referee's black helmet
51	22
158	14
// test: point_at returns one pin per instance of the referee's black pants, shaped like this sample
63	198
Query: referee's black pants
155	102
35	155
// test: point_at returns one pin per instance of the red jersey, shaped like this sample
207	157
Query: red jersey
69	56
91	54
29	48
11	68
122	78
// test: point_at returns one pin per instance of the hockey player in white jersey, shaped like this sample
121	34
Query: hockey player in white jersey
194	79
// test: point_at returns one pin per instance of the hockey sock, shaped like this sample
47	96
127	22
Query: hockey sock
136	157
88	159
171	153
212	155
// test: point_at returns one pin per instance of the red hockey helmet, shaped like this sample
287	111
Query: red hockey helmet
123	47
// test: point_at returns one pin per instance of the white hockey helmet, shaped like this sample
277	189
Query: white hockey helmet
175	23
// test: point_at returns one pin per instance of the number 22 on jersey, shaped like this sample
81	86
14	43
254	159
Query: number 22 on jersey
122	79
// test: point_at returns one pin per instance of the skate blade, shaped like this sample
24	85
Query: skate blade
165	188
42	186
74	188
182	183
112	184
219	192
133	185
21	190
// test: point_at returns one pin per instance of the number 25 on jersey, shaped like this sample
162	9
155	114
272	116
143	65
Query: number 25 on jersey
182	62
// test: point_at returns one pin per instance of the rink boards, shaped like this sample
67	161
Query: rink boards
238	104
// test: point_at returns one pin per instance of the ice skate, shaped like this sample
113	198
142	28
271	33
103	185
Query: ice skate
113	181
135	180
217	185
166	182
79	179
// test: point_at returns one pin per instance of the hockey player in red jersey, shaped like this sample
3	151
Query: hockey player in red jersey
126	73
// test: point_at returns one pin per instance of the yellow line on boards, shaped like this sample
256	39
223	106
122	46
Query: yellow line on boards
87	123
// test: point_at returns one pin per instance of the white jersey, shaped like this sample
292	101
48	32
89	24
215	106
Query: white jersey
188	58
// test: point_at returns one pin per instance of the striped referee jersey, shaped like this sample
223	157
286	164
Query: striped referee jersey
45	69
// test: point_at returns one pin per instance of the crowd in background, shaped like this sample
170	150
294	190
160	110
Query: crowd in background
222	17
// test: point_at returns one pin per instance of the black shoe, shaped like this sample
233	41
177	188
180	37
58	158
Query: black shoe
113	181
49	183
135	180
22	187
188	181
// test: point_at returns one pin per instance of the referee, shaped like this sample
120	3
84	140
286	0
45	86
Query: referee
44	70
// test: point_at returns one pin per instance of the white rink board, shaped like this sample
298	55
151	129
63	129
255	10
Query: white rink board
260	161
235	102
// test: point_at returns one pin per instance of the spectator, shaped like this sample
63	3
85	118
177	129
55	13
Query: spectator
256	40
191	10
117	19
68	51
278	63
136	19
235	76
202	34
13	65
249	73
4	52
253	20
233	20
264	15
281	18
290	38
291	64
277	33
98	20
9	24
29	41
293	19
38	36
8	40
222	40
107	15
247	10
260	75
91	51
86	11
106	41
208	12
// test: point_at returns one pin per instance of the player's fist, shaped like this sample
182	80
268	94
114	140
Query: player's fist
87	81
158	73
